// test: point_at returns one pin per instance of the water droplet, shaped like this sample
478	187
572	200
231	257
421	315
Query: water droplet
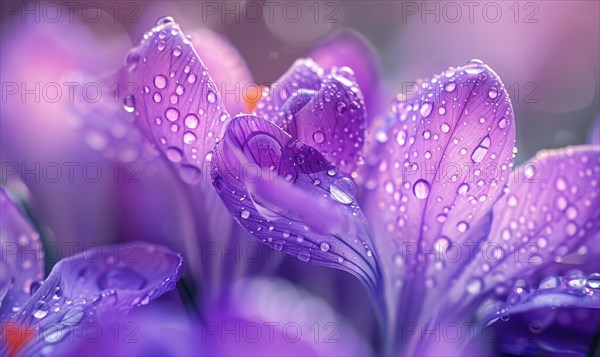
211	97
160	81
463	189
474	286
493	93
40	309
129	104
157	97
341	107
421	189
324	246
172	114
450	86
426	108
560	184
549	282
303	256
191	78
502	123
245	214
593	281
191	121
121	278
343	190
481	150
177	51
318	137
401	137
174	154
462	226
512	201
445	128
575	279
189	137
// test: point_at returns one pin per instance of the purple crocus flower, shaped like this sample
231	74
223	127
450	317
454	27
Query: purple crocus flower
451	236
87	291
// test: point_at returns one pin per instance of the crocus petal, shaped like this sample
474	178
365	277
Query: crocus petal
439	162
175	101
98	281
227	68
289	197
303	76
21	257
326	112
551	209
349	48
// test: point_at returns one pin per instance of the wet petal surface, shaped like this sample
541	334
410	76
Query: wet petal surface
174	99
22	257
289	197
326	112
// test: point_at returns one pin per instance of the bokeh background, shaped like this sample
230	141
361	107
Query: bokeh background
546	52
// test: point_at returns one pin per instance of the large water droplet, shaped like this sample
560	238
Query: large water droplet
343	190
191	121
189	137
450	86
481	150
593	281
172	114
174	154
318	137
160	81
245	214
549	282
401	137
421	189
211	97
426	108
40	309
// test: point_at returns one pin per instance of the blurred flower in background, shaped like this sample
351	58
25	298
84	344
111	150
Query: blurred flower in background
96	173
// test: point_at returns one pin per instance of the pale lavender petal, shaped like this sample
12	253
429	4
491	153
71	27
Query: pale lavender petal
437	165
175	101
552	208
331	118
21	257
100	281
227	68
289	197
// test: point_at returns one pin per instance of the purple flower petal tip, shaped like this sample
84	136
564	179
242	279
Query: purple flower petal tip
174	99
324	111
291	198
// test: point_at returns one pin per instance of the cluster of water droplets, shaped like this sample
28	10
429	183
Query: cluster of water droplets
573	289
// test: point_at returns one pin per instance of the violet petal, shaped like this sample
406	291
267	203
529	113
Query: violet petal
102	280
22	257
330	118
289	197
552	208
177	104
